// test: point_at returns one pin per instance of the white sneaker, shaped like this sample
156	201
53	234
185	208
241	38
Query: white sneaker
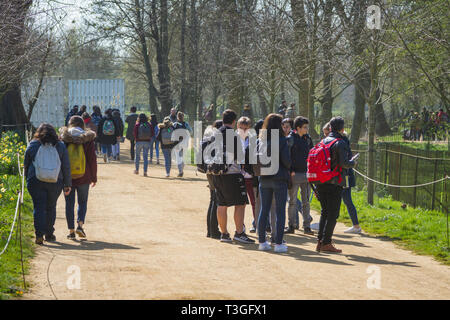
353	230
167	175
280	248
265	246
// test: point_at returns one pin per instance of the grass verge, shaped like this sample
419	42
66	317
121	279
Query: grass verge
422	231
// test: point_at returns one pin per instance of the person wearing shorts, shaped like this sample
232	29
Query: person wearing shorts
230	187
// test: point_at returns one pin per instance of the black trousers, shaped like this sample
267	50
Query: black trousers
211	217
132	143
330	196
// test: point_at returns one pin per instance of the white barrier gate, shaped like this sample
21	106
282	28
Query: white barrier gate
50	105
108	93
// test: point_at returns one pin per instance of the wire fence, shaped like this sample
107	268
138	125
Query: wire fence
413	176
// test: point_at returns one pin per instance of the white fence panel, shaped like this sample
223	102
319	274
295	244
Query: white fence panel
50	104
109	93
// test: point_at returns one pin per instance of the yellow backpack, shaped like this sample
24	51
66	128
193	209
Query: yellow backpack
77	160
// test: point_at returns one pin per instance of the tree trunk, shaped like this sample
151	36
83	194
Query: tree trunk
12	111
183	91
360	86
162	58
382	127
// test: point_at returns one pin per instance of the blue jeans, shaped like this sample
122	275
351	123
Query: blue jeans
82	197
107	148
279	189
180	160
145	147
155	142
347	199
45	196
167	159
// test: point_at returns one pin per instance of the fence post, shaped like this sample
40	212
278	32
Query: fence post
434	185
415	182
385	163
399	174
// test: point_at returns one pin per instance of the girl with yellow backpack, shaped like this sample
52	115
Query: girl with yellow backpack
79	141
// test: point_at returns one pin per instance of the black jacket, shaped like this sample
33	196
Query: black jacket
339	157
101	138
349	172
300	151
282	174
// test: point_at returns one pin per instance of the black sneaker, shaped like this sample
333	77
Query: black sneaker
216	236
242	238
50	238
80	232
39	241
225	237
308	230
289	230
180	175
71	236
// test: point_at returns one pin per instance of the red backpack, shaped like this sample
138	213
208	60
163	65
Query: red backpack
319	163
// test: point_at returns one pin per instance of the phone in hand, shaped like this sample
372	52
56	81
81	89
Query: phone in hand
355	157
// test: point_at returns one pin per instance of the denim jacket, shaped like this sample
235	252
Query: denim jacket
65	175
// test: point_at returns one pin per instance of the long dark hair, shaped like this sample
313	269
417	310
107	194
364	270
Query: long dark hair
46	134
272	121
142	118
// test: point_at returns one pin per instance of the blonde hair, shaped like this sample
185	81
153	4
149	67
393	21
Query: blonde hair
244	121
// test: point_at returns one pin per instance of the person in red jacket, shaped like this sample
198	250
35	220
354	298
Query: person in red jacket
77	133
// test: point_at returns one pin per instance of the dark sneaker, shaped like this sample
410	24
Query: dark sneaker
289	230
215	236
225	237
308	230
71	236
180	175
242	238
80	232
39	241
50	238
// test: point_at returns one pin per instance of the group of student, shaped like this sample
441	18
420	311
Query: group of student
236	183
56	163
144	134
108	127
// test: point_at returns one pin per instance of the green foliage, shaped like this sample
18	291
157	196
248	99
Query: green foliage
10	184
422	231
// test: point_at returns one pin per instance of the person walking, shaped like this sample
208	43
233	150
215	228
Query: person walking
83	109
165	138
47	171
274	185
154	141
72	112
143	134
173	115
88	123
131	121
302	144
181	124
230	185
96	118
107	133
330	191
116	147
79	141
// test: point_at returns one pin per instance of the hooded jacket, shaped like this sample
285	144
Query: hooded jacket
86	138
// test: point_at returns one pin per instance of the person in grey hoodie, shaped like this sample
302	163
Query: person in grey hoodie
44	194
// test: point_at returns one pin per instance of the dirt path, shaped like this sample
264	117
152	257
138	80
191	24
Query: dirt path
147	240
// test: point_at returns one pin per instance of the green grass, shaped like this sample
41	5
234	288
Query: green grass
10	265
419	230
